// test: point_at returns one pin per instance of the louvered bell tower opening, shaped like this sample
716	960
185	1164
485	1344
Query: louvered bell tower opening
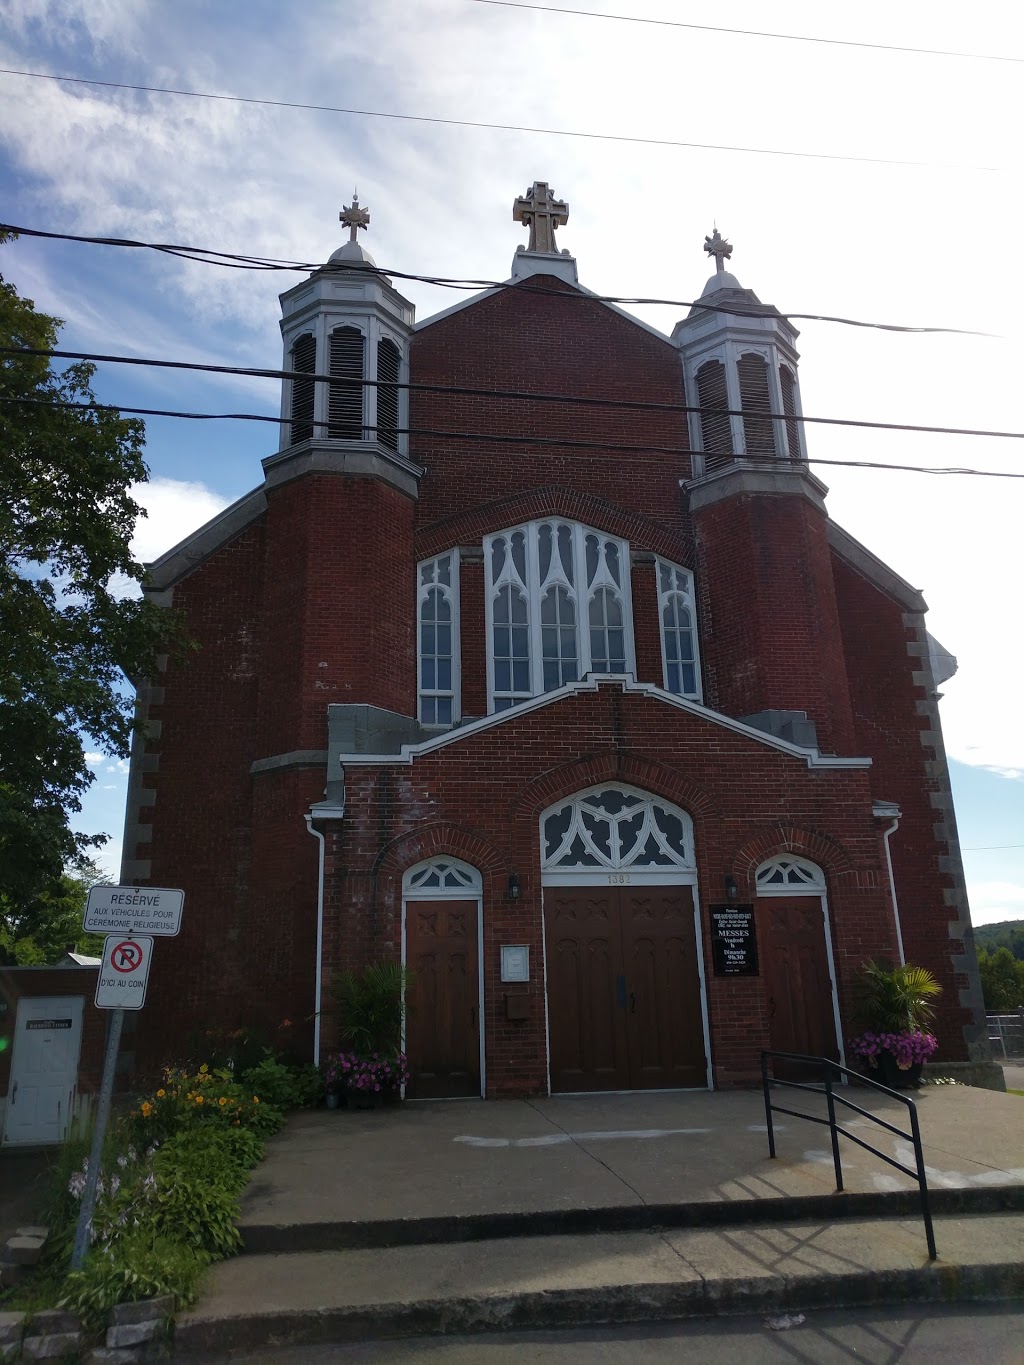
715	425
388	364
756	403
345	391
303	359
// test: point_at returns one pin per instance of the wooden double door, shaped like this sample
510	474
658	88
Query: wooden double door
623	988
442	1024
797	981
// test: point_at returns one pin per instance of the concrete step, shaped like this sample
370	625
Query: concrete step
265	1238
598	1278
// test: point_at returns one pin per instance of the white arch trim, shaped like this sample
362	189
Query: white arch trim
786	875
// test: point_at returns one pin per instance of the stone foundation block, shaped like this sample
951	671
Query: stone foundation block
53	1346
106	1355
52	1320
144	1310
24	1250
985	1075
11	1327
135	1333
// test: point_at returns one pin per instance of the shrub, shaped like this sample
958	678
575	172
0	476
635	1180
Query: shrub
138	1266
284	1086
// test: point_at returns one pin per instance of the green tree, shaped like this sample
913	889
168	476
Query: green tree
67	641
37	934
1002	980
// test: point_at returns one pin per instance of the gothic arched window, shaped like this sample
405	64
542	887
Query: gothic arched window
678	609
438	632
615	827
557	608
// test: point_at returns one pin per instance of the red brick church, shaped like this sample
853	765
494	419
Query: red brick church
536	661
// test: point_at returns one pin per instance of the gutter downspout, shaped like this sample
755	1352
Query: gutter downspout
892	888
320	937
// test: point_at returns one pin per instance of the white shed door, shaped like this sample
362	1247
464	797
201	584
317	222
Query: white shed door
44	1069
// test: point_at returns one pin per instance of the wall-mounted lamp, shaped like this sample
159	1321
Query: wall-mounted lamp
513	887
731	889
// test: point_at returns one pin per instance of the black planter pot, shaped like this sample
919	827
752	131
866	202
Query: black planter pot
889	1074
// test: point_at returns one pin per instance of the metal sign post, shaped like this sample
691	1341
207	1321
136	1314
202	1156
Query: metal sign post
130	916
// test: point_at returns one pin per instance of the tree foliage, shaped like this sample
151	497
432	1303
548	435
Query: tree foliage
39	932
67	641
1008	933
1002	980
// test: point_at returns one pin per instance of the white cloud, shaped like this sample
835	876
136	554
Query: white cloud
94	760
175	508
996	900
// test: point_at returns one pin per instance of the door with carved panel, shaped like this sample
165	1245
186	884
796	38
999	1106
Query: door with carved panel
442	1000
798	985
623	989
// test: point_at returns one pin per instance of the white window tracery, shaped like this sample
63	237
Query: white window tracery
615	827
443	874
789	875
678	615
437	629
558	607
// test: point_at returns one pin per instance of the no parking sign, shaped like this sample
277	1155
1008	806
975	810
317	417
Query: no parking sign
124	972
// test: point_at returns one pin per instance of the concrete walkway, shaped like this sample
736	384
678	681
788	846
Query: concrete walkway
466	1216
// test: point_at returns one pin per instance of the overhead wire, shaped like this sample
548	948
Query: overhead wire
500	127
468	391
504	438
756	32
210	256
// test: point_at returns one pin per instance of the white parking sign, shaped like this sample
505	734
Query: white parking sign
124	973
133	910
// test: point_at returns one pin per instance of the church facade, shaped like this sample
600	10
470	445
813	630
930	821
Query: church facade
536	662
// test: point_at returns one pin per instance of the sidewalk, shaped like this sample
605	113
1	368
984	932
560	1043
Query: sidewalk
465	1216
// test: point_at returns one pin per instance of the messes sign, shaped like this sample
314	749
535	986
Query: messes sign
152	910
733	940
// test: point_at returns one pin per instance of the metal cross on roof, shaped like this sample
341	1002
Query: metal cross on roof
717	246
541	212
354	217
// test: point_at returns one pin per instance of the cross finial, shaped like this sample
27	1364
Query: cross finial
541	212
354	217
717	246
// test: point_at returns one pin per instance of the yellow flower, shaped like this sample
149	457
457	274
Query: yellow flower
160	1094
199	1099
146	1108
255	1099
222	1100
203	1069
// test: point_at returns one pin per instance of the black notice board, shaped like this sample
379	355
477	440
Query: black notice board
734	940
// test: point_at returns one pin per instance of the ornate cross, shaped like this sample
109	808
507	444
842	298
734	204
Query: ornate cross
541	212
717	246
354	217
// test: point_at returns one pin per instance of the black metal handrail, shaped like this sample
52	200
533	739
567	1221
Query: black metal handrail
829	1070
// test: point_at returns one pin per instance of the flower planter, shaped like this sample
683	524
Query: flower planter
888	1072
364	1099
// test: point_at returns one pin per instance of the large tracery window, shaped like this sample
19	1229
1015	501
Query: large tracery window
615	827
677	608
557	608
438	631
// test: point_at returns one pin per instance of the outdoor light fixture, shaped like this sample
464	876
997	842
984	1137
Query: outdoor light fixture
513	887
731	890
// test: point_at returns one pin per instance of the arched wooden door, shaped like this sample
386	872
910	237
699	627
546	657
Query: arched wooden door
625	1001
796	961
443	995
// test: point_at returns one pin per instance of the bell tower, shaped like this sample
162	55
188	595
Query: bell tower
772	646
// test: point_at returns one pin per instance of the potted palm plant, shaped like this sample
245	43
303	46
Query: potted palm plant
371	1009
896	1007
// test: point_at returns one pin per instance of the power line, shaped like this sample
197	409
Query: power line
209	256
493	438
465	391
988	848
499	127
756	33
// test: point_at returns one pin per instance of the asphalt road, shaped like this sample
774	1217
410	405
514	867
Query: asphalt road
979	1334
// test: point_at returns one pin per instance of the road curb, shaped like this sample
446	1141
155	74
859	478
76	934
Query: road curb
601	1306
279	1239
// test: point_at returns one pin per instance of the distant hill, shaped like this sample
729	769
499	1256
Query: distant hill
1009	933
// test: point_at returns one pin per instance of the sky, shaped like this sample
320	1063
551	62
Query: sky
930	241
